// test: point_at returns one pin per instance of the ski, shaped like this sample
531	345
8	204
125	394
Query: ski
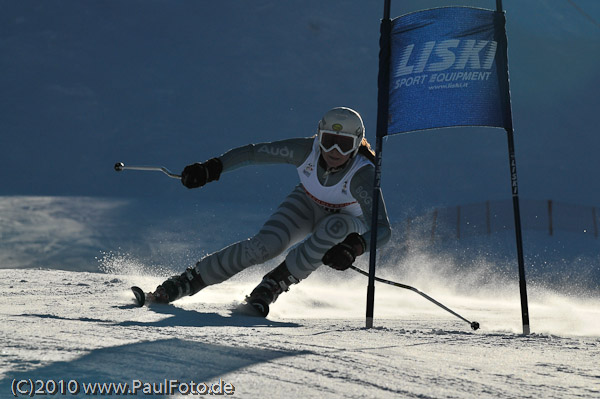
140	297
144	298
253	308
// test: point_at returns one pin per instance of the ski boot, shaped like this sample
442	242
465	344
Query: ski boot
273	283
188	283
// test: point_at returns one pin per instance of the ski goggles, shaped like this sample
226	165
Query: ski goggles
345	143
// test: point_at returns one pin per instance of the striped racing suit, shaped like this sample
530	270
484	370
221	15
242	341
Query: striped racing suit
319	213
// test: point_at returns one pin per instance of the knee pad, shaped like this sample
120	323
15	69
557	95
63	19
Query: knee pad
337	227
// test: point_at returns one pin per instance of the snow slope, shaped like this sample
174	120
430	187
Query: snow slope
61	325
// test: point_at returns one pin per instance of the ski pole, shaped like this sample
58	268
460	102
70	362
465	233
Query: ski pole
119	166
474	324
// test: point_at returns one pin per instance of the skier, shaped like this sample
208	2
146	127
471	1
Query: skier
329	211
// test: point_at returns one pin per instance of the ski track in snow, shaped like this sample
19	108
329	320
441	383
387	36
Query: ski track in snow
84	326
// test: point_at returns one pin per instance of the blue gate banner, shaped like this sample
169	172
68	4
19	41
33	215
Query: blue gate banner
448	67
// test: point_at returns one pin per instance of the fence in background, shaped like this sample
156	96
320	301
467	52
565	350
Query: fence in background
461	221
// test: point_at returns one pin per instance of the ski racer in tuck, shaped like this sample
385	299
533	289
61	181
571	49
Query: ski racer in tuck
328	212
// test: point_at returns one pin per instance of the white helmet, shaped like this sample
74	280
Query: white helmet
342	129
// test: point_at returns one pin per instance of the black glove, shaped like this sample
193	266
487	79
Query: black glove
342	255
198	174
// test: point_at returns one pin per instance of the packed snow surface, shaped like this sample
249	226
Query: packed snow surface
76	328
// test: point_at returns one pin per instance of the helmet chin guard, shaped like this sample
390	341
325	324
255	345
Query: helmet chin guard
341	128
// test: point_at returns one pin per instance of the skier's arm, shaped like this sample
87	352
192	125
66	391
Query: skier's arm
361	188
291	151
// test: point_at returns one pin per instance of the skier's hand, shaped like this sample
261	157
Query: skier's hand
342	255
198	174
